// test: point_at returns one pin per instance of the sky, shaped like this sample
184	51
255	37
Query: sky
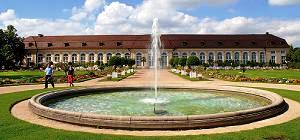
74	17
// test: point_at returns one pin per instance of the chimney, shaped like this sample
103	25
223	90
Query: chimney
40	35
267	33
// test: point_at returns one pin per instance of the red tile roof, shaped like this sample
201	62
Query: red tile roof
169	41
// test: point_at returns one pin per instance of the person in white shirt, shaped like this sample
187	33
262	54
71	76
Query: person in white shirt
49	76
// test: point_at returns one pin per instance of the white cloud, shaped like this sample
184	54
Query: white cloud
88	8
7	15
283	2
120	18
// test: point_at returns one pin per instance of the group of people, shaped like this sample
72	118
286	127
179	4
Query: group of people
49	71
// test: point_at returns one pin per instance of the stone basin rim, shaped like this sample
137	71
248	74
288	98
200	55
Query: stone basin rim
277	106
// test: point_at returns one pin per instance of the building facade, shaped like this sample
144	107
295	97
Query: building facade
262	48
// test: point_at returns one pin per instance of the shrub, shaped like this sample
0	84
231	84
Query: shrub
114	61
131	62
182	61
124	61
193	61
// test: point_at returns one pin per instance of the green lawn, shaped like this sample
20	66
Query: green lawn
33	73
289	74
14	129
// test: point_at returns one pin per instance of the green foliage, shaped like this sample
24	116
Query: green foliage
124	61
131	62
193	61
12	49
114	61
182	61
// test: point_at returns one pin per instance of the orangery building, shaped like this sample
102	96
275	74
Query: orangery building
260	48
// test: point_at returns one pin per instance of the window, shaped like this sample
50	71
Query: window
127	55
84	44
184	44
237	57
273	57
119	43
29	58
220	56
253	56
67	44
40	58
138	59
184	55
202	43
65	58
50	44
220	43
262	57
91	57
100	57
236	43
48	58
202	58
283	56
74	58
253	43
56	58
211	56
30	44
193	54
108	56
175	55
82	58
118	55
245	58
101	44
228	56
164	60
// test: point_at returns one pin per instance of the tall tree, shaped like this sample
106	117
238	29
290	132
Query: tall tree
12	49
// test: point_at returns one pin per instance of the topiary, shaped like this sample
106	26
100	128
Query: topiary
193	61
182	61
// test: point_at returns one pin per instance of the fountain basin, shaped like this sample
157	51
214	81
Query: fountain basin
274	105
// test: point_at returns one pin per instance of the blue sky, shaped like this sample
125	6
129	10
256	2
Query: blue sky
57	17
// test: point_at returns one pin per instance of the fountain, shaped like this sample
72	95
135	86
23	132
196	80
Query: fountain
184	107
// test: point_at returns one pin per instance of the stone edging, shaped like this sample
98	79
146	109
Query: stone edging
277	106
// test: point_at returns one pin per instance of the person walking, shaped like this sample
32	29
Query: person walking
49	76
71	76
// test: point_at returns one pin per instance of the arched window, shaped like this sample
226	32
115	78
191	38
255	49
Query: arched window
138	59
56	58
100	57
237	57
40	58
108	56
74	58
228	56
184	55
175	55
253	56
262	58
65	58
118	55
48	58
220	56
127	55
193	54
245	58
211	56
82	58
202	58
91	57
164	60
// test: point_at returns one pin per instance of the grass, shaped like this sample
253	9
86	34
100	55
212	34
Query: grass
14	129
33	73
289	73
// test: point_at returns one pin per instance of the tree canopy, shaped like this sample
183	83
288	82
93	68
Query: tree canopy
12	49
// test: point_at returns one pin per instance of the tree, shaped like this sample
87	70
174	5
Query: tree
131	62
124	61
114	61
12	49
182	61
193	61
176	61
